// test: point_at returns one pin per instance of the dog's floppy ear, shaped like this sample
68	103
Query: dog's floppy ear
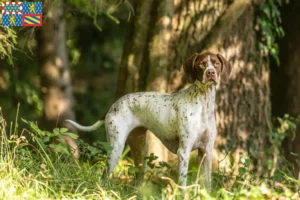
226	69
189	66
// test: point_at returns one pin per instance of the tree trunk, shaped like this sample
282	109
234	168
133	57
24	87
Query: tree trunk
164	33
55	79
286	82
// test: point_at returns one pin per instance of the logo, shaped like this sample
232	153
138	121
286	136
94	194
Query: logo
22	13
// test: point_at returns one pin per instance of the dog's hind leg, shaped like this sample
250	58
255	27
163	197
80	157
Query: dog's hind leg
137	141
116	136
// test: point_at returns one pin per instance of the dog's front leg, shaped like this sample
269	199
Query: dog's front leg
183	164
207	165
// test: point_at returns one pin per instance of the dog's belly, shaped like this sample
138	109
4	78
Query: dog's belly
171	144
167	135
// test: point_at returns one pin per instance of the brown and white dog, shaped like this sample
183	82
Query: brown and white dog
183	121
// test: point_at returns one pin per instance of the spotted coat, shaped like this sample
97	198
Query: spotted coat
183	121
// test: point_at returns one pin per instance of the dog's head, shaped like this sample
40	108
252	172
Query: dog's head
208	68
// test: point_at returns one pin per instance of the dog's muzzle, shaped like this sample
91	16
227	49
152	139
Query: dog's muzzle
211	76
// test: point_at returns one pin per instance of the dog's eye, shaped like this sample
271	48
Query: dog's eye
202	64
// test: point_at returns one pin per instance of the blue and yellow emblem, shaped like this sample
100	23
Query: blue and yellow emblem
32	20
22	13
32	14
11	20
32	8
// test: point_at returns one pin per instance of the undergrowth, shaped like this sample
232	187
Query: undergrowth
30	169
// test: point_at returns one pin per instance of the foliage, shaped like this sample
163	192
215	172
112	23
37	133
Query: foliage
268	24
287	126
284	127
97	150
151	158
8	39
93	55
94	8
30	170
54	140
246	184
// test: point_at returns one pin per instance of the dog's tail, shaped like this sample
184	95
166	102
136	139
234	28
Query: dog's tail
86	128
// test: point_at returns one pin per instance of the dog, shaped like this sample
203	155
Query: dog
183	121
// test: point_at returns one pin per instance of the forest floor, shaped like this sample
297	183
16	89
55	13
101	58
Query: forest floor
30	170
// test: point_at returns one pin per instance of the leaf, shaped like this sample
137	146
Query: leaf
71	135
150	159
242	171
56	132
25	121
132	170
34	127
294	154
266	10
277	176
93	150
164	164
60	148
63	130
232	160
107	147
247	162
46	139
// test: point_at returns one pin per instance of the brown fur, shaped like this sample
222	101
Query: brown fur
194	65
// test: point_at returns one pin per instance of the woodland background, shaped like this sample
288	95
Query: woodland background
89	53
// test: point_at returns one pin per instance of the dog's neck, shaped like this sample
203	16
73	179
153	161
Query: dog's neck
203	93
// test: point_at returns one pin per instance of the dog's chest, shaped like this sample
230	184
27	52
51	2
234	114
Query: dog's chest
202	118
205	135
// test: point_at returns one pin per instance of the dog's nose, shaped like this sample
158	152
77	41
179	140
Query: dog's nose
210	73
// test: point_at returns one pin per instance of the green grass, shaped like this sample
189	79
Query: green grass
30	170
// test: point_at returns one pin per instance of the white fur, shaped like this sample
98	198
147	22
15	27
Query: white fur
183	121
